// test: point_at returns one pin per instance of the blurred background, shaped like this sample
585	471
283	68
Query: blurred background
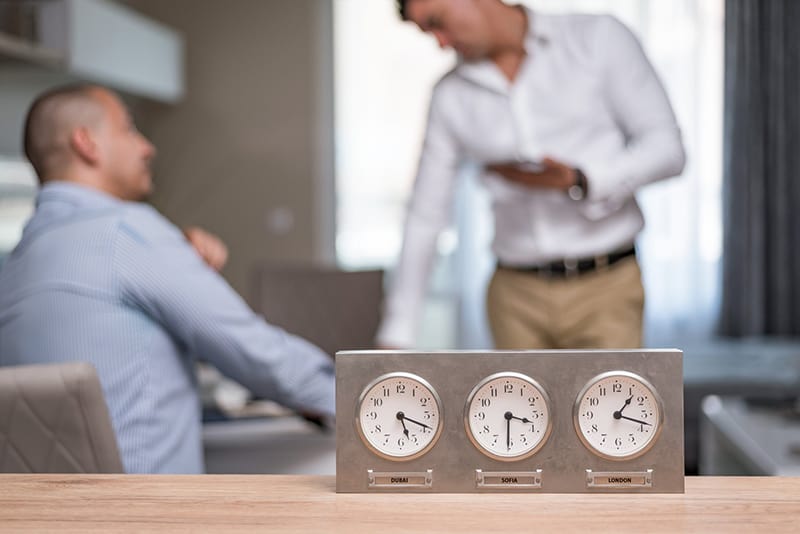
292	129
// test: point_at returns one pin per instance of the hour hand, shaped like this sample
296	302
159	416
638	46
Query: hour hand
627	402
401	417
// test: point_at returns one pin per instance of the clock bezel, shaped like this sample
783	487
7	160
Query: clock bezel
545	398
436	399
659	407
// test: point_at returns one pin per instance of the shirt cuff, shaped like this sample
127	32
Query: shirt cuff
607	193
396	332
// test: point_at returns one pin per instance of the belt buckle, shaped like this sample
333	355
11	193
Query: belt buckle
570	267
601	263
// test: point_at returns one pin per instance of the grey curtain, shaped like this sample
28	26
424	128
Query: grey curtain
761	265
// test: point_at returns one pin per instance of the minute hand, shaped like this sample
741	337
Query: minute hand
634	420
416	422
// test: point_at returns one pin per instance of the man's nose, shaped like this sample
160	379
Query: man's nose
149	148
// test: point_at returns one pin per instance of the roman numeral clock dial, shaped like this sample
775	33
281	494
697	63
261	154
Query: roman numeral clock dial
618	415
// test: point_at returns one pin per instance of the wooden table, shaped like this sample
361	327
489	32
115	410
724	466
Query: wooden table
259	503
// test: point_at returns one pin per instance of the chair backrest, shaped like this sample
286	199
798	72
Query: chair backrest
54	419
335	310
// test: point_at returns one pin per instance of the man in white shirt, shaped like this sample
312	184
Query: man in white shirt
568	119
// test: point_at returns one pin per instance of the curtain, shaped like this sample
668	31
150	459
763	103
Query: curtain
761	187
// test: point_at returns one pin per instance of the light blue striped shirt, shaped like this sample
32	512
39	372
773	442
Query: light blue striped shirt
114	283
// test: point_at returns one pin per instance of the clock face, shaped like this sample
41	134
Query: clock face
399	416
508	416
618	415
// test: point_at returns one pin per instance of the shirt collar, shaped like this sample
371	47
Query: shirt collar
486	74
540	29
77	194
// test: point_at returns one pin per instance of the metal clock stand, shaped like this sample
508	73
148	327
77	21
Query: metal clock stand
530	421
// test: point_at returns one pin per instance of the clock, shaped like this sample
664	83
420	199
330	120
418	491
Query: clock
560	421
618	415
399	416
507	416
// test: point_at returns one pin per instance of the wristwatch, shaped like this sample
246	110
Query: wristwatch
579	189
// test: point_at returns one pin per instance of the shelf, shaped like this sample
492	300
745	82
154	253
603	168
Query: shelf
16	49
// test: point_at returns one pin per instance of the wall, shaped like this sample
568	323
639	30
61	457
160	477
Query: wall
19	85
248	153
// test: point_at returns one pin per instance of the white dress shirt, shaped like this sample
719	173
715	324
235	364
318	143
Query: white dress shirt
585	95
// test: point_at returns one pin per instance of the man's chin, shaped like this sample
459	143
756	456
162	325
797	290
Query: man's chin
144	193
470	55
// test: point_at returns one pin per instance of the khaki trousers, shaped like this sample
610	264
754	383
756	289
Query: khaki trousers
601	309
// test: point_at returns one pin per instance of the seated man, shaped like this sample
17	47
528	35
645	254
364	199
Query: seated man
100	276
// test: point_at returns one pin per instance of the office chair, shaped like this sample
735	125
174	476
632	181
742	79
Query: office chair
54	419
334	309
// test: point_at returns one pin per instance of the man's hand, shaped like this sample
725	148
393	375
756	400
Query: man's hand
555	175
208	246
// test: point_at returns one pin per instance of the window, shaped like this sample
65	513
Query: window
17	193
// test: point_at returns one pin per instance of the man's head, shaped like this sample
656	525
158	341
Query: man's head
85	134
467	26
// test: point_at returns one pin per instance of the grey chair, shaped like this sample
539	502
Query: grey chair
54	419
334	309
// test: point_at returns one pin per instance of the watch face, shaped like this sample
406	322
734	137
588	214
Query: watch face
507	416
399	416
618	415
575	192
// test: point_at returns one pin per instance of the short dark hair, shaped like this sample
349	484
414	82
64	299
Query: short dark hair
44	120
401	8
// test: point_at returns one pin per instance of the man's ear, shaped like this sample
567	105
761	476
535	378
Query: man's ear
82	142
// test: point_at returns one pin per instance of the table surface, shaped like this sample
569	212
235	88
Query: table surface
289	503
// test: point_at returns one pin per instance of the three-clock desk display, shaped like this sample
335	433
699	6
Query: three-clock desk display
538	421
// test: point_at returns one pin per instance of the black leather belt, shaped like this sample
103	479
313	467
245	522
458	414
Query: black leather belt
569	267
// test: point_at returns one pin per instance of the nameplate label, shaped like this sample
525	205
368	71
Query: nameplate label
508	479
619	479
416	479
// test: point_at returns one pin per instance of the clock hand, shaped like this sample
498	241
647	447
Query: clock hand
627	402
630	419
401	416
509	416
523	419
423	425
